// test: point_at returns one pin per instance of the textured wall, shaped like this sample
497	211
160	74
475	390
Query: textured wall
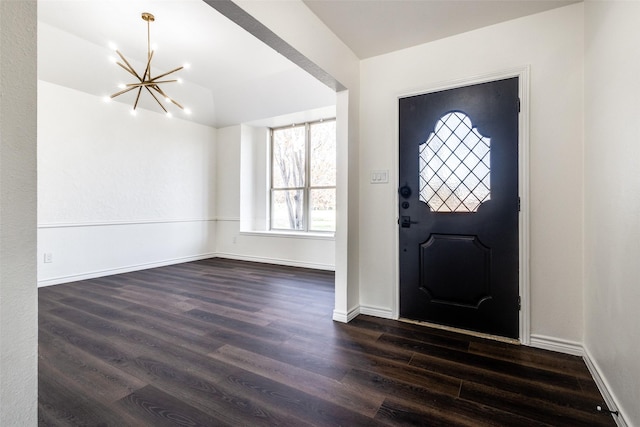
117	192
18	293
612	198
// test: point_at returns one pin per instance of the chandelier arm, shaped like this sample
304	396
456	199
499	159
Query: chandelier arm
156	98
176	103
122	91
137	97
166	74
128	70
161	92
147	71
149	83
128	65
157	89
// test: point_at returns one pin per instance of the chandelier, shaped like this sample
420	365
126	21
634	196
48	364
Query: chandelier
146	81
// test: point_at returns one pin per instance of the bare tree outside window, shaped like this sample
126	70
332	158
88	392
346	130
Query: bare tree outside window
303	177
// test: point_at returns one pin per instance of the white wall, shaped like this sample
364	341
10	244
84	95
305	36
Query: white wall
302	251
612	198
117	192
18	293
551	43
254	178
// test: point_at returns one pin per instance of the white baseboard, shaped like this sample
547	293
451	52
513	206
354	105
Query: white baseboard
120	270
343	317
605	390
377	312
279	261
556	344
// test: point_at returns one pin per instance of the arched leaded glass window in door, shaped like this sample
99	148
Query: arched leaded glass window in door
455	166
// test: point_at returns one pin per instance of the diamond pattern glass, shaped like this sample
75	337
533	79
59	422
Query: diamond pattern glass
455	166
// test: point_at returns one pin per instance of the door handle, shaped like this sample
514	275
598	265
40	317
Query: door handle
405	221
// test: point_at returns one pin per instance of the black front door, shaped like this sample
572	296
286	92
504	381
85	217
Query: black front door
458	207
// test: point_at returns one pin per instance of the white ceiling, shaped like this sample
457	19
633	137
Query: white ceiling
234	77
375	27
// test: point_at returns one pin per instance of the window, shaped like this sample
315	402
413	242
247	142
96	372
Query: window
455	166
303	177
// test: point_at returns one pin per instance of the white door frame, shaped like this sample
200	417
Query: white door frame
523	184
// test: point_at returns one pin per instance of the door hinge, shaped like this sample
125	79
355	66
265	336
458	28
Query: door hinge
518	105
519	304
518	204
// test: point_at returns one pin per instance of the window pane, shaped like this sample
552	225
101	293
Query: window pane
288	157
287	209
323	154
323	210
455	166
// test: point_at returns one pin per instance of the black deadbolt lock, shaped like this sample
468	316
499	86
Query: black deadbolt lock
405	191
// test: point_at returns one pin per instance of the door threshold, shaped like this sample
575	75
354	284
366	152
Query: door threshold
461	331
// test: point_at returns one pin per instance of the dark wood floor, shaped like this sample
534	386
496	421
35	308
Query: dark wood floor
229	343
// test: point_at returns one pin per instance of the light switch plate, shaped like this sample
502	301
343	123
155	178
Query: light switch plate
380	177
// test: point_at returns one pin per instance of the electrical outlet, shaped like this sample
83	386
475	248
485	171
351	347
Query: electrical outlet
48	257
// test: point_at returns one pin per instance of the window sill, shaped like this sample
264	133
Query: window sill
291	234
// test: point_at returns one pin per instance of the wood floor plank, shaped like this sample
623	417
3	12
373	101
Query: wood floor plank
535	358
222	342
157	408
475	364
79	337
91	375
342	393
234	313
448	412
308	407
212	393
220	321
420	334
532	408
284	353
61	404
570	397
402	372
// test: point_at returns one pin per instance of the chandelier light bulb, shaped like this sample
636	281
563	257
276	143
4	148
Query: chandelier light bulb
169	114
113	46
133	112
106	98
187	111
186	66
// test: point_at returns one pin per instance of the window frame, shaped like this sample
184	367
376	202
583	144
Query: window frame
307	188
